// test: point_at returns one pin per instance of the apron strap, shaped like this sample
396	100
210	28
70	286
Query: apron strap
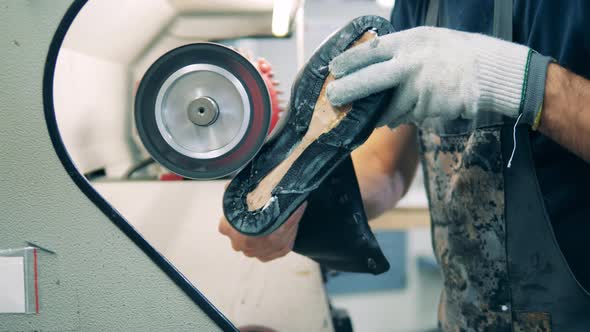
432	14
502	17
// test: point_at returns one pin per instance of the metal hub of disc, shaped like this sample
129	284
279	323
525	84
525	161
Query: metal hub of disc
202	111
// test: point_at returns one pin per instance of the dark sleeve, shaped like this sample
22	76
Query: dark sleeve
408	14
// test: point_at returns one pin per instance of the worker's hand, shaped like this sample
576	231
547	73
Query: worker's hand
268	247
438	73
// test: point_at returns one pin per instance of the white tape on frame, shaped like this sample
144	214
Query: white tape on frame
12	285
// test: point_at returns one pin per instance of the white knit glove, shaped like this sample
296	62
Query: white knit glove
438	73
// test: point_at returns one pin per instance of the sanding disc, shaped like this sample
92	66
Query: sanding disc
202	111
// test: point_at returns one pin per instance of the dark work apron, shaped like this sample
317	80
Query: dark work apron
502	267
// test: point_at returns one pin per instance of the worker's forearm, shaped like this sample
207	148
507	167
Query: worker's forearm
566	110
385	166
380	192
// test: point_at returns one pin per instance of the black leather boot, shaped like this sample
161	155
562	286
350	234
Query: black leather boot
287	170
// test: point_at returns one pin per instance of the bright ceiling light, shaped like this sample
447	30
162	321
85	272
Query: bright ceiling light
386	3
281	17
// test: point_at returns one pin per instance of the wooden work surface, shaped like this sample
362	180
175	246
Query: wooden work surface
402	219
180	220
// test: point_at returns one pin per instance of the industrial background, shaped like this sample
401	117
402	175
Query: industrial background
97	236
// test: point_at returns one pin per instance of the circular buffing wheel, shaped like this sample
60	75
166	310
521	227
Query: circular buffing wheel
202	111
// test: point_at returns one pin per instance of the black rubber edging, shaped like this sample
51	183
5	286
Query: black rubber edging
245	72
180	280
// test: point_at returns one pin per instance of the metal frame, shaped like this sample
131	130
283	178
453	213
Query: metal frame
179	279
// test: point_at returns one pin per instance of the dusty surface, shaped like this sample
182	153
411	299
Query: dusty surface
324	118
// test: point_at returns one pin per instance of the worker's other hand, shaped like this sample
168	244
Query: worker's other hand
268	247
435	73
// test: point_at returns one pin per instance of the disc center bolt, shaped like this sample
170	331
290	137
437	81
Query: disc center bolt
203	111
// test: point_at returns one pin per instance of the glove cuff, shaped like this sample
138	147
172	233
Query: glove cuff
534	91
500	76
